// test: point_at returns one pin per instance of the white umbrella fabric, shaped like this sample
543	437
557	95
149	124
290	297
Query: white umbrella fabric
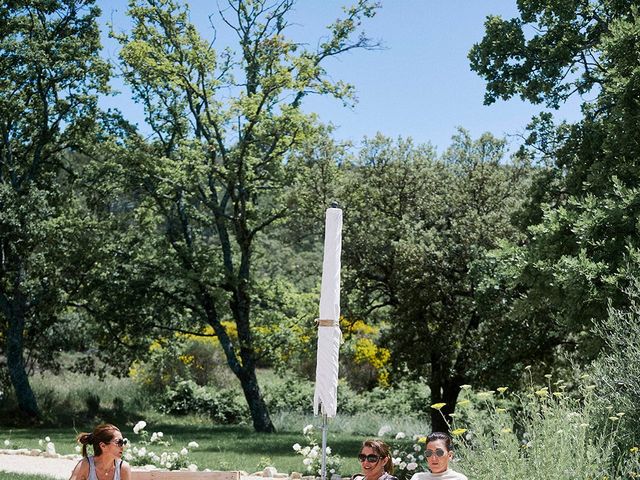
325	398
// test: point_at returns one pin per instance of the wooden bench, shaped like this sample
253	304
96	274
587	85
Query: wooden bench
182	475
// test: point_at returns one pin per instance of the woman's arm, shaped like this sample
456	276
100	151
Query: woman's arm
81	471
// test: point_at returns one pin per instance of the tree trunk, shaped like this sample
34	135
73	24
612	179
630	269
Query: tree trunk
245	372
257	406
443	390
15	359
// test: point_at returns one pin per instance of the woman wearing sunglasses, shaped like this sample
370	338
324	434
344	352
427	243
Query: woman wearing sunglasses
106	462
375	461
439	452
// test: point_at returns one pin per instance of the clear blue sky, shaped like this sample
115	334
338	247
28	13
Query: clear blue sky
420	85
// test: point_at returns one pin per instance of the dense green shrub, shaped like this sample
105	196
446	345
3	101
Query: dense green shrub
617	371
222	406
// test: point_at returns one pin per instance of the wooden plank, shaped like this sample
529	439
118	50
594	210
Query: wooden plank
183	475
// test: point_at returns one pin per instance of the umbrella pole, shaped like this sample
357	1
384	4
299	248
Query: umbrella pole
323	470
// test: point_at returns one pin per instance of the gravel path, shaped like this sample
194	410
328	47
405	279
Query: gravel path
53	467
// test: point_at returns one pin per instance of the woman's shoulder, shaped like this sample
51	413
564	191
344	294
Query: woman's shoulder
81	470
387	476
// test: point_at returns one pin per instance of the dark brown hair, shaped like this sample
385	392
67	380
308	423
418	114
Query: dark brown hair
103	433
382	450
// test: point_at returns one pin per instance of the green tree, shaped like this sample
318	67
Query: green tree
416	230
216	173
581	218
50	75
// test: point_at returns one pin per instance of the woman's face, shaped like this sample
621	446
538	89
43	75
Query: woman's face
116	446
438	456
372	470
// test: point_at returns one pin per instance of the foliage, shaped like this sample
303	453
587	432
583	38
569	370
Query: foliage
616	371
222	406
187	357
166	459
418	233
51	75
214	175
408	459
580	253
544	432
312	454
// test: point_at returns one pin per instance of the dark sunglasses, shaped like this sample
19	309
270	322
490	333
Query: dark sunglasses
369	458
438	452
121	442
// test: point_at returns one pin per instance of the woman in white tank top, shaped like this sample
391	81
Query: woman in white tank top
106	462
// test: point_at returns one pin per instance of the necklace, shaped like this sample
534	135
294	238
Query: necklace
104	473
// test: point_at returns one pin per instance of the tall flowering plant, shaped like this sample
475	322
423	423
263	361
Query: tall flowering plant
312	454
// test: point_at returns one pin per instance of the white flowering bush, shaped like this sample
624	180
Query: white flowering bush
408	458
47	445
312	454
151	449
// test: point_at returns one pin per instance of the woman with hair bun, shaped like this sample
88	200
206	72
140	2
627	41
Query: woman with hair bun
439	452
106	462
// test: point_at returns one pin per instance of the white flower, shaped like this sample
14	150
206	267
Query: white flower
184	452
142	452
139	426
313	453
192	467
127	456
328	450
47	439
396	453
417	447
384	430
307	461
40	442
307	429
402	465
7	443
396	461
78	448
193	445
160	434
51	448
412	466
421	457
154	437
296	447
305	451
400	435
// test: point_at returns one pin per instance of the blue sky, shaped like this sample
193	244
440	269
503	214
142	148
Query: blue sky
420	85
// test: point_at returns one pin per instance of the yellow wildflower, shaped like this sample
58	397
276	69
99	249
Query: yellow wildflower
438	406
458	431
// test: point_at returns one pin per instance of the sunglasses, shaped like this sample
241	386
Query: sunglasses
369	458
121	442
438	453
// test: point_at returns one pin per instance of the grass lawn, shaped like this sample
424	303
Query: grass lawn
220	447
22	476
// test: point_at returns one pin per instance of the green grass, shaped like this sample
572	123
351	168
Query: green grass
22	476
220	447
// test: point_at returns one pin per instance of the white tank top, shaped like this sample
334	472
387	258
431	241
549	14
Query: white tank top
92	469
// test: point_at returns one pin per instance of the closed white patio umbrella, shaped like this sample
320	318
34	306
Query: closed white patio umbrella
325	398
